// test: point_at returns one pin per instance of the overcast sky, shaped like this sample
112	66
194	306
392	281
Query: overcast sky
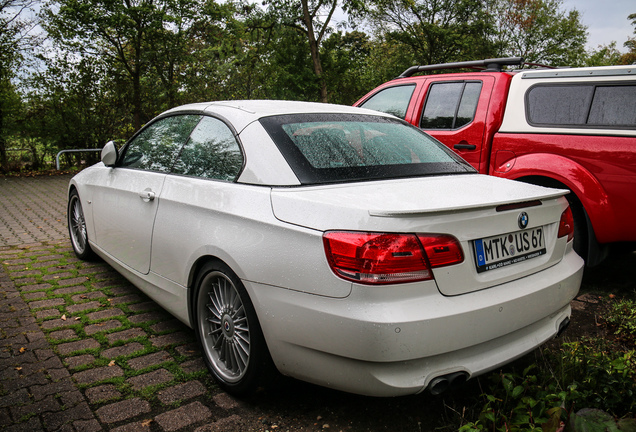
606	20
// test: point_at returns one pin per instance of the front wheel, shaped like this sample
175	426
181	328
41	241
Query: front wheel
228	331
77	228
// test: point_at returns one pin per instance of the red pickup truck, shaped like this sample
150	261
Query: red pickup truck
568	128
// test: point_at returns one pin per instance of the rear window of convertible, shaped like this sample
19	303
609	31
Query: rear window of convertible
331	148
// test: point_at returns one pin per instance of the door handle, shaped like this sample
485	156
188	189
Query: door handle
464	146
147	195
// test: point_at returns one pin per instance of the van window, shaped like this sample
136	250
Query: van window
582	105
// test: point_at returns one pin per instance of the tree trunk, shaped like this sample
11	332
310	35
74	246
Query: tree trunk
315	52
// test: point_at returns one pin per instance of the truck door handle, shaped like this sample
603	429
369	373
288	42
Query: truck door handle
464	146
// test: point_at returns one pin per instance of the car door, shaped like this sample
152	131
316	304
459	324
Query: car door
125	204
454	112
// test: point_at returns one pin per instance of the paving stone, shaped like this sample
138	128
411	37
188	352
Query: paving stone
75	281
69	347
194	365
170	325
123	350
34	379
57	323
225	401
170	339
78	412
131	298
47	313
46	303
189	350
33	287
40	392
149	360
31	425
103	326
140	426
55	276
122	290
233	422
69	290
102	393
48	404
88	296
148	316
87	426
80	360
49	257
44	354
32	337
80	307
145	306
34	295
18	397
183	417
123	410
153	378
58	374
71	398
125	335
106	313
187	390
98	374
63	334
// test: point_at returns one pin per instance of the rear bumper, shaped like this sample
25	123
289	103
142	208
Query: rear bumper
389	341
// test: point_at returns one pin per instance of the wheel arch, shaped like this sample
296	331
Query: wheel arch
558	171
192	278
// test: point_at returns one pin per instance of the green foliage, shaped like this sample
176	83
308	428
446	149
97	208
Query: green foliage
621	318
520	403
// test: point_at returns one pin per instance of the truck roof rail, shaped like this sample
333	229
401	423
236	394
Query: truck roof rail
489	65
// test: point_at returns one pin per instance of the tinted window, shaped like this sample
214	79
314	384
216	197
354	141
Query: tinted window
392	100
450	105
157	146
584	105
613	106
211	152
559	105
322	148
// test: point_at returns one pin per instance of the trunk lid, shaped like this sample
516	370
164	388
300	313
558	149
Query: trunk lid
464	206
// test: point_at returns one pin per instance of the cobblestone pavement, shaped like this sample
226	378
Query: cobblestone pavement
81	349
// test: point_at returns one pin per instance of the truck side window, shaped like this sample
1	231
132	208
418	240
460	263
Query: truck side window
450	105
582	105
392	100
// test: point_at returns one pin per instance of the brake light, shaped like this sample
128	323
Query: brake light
566	224
379	258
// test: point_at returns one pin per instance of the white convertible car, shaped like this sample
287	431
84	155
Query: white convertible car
337	245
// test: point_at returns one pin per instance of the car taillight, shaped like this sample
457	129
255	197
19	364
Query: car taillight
566	224
379	258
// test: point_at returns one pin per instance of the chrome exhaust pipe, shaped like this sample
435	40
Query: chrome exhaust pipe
451	381
564	325
438	386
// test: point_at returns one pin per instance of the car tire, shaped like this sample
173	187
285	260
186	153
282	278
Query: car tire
77	228
228	331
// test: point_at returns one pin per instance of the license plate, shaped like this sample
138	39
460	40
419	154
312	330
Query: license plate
507	249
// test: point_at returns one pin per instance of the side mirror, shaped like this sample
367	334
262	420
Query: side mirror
110	154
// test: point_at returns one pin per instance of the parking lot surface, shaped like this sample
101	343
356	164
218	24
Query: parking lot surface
80	348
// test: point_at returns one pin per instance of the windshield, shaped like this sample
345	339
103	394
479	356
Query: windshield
324	148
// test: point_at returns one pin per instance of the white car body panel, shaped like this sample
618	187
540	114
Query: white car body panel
378	340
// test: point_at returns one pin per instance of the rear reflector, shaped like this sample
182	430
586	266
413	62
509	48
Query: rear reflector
381	258
566	224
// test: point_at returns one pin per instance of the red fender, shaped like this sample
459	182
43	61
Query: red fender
566	171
